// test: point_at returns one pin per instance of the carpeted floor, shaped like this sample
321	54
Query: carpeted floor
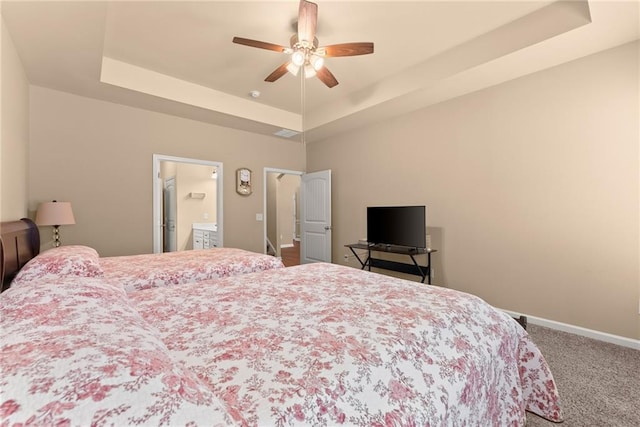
599	383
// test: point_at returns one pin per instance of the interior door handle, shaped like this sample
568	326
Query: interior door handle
327	227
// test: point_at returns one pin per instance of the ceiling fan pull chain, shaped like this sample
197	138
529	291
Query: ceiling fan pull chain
303	99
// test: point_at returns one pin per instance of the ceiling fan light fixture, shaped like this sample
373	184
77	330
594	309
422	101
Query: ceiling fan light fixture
297	58
316	62
293	68
309	71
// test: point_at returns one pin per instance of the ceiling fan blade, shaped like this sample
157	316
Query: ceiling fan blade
277	73
326	77
259	44
307	21
348	49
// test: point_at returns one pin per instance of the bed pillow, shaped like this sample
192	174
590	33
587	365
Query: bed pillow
64	261
78	353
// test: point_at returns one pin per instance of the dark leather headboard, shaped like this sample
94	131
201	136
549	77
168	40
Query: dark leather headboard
19	242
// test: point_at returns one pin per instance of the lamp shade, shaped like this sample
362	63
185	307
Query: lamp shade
55	213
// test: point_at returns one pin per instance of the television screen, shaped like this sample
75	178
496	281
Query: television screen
397	225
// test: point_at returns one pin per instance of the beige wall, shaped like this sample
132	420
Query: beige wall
98	156
14	131
531	188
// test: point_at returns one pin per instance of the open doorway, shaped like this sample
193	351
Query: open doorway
282	215
187	204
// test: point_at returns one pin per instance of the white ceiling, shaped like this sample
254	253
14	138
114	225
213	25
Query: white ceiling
178	58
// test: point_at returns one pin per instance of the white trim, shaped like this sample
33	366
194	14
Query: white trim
264	199
578	330
157	197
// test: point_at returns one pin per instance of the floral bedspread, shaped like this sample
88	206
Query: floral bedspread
75	352
322	344
137	272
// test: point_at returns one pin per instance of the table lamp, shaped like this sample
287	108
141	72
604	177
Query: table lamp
56	214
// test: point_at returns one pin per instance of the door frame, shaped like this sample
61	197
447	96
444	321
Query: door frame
264	201
157	196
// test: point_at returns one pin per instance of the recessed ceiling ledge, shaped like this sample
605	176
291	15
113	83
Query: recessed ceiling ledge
146	81
543	24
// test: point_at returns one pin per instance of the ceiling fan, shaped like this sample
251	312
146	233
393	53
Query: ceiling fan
305	52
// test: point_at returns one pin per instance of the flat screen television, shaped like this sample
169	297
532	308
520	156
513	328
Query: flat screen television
397	225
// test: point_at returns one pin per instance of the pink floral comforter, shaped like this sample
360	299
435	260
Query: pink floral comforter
137	272
322	344
75	352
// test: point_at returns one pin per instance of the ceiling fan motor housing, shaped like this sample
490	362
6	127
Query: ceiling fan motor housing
303	50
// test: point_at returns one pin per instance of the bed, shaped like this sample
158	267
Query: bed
132	272
317	344
138	272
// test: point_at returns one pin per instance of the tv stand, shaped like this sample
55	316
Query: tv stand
424	271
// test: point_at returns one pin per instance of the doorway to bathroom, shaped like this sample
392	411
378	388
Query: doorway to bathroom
187	203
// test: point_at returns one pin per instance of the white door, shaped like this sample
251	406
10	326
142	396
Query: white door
315	217
170	239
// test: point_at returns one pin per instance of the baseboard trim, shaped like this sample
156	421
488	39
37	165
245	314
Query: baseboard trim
578	330
286	245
